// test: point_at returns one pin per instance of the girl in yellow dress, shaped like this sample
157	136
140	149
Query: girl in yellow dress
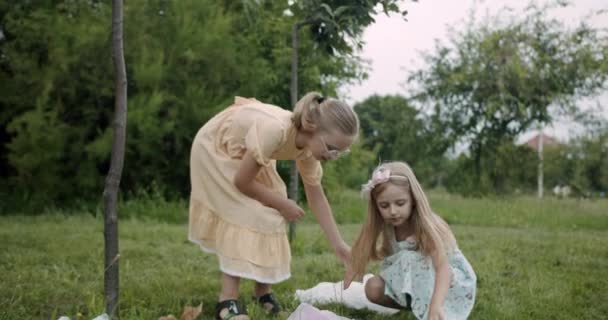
238	203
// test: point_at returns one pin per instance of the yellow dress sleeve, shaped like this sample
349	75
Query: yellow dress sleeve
310	170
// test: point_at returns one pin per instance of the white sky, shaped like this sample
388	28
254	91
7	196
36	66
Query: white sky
393	46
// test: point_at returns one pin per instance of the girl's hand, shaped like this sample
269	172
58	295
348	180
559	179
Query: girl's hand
291	211
343	252
436	313
349	276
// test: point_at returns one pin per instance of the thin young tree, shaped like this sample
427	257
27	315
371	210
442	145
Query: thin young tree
293	181
332	25
112	182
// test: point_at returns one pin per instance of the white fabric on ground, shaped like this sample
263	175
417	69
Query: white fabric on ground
333	292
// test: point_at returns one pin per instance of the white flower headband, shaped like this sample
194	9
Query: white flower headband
380	175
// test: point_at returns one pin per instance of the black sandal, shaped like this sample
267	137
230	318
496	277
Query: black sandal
234	309
271	299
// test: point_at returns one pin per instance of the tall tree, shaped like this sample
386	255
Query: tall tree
392	126
500	77
110	193
333	24
187	59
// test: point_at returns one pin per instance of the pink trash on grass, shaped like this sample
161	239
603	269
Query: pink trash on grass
308	312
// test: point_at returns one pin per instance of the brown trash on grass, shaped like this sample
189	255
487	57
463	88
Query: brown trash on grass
189	313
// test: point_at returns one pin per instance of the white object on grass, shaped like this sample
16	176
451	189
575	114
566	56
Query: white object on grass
63	318
103	316
333	292
308	312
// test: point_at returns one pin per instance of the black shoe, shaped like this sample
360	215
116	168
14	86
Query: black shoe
234	309
272	300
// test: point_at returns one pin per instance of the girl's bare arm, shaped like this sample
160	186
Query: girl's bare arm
442	282
317	201
244	180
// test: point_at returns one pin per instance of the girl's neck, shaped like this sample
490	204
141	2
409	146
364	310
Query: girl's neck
404	231
302	138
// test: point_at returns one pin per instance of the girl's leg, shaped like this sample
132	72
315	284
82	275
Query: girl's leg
266	299
230	287
374	290
262	289
230	291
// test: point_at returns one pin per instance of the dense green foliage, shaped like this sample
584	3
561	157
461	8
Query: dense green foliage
398	131
186	61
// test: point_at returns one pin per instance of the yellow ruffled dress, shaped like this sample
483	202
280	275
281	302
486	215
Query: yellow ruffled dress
249	238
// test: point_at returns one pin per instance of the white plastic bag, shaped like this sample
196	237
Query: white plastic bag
333	292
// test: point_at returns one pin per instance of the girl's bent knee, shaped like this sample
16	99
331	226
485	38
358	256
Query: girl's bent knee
374	289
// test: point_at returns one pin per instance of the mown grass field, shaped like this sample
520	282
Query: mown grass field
534	260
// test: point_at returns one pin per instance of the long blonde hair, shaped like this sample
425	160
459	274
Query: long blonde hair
431	232
314	112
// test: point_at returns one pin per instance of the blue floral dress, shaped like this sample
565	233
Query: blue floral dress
408	272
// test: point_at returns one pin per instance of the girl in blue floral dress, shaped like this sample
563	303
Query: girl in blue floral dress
422	269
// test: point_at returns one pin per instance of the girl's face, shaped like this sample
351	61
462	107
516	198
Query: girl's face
330	145
395	204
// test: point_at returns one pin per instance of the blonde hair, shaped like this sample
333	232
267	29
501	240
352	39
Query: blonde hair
431	232
314	112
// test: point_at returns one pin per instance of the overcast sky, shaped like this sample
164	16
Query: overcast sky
393	46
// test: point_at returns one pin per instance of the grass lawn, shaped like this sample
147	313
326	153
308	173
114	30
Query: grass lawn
534	260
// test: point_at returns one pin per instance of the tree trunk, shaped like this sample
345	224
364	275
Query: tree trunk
293	181
477	154
112	183
540	164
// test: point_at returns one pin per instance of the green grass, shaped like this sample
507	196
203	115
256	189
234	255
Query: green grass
534	260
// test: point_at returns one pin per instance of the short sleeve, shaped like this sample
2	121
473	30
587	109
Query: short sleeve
263	139
310	170
241	101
